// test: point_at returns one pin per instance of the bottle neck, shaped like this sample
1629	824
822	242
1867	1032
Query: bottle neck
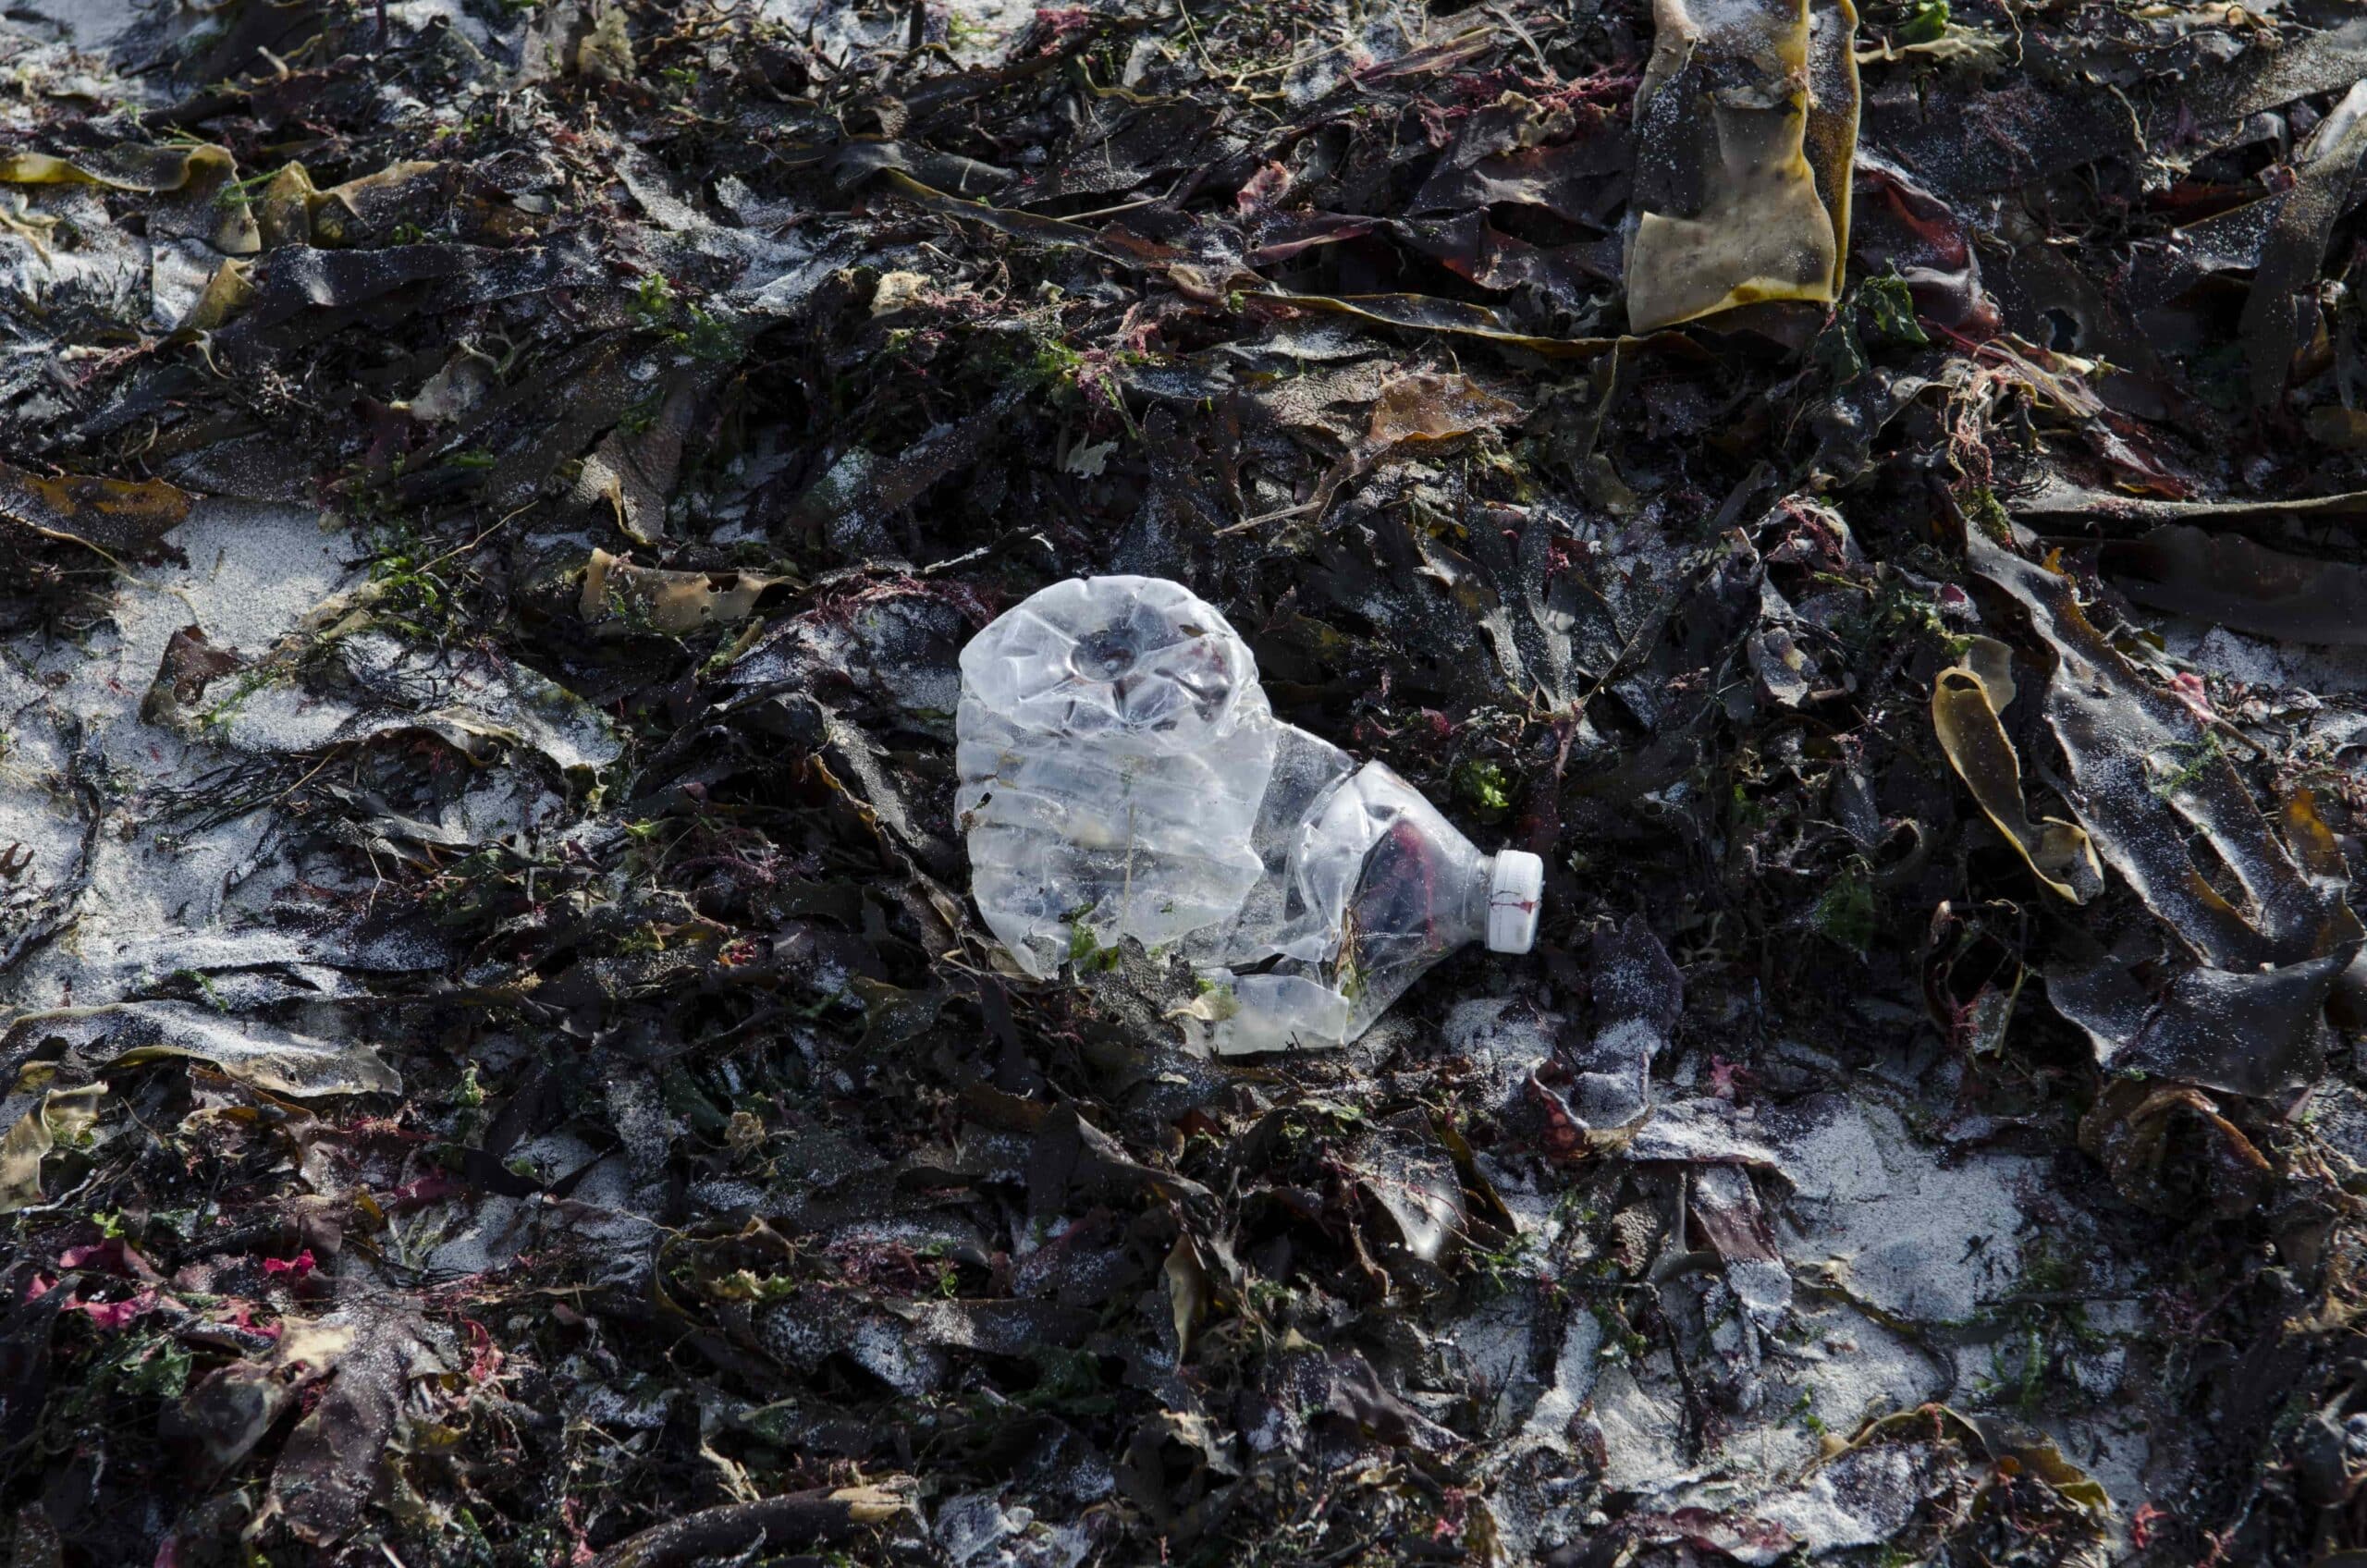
1471	908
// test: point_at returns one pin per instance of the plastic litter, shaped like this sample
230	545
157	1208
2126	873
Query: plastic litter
1122	775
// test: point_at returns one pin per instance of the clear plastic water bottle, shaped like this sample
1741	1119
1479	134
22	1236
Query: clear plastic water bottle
1122	775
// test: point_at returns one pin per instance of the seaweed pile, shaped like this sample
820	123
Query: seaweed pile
499	1065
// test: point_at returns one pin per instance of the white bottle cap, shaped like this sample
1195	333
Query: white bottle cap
1513	895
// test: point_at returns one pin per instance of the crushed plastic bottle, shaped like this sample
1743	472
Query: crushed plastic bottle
1122	775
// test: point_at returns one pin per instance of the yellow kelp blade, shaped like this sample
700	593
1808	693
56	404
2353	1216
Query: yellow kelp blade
1965	719
1746	122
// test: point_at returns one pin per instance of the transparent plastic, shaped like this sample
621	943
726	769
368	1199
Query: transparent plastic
1122	775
